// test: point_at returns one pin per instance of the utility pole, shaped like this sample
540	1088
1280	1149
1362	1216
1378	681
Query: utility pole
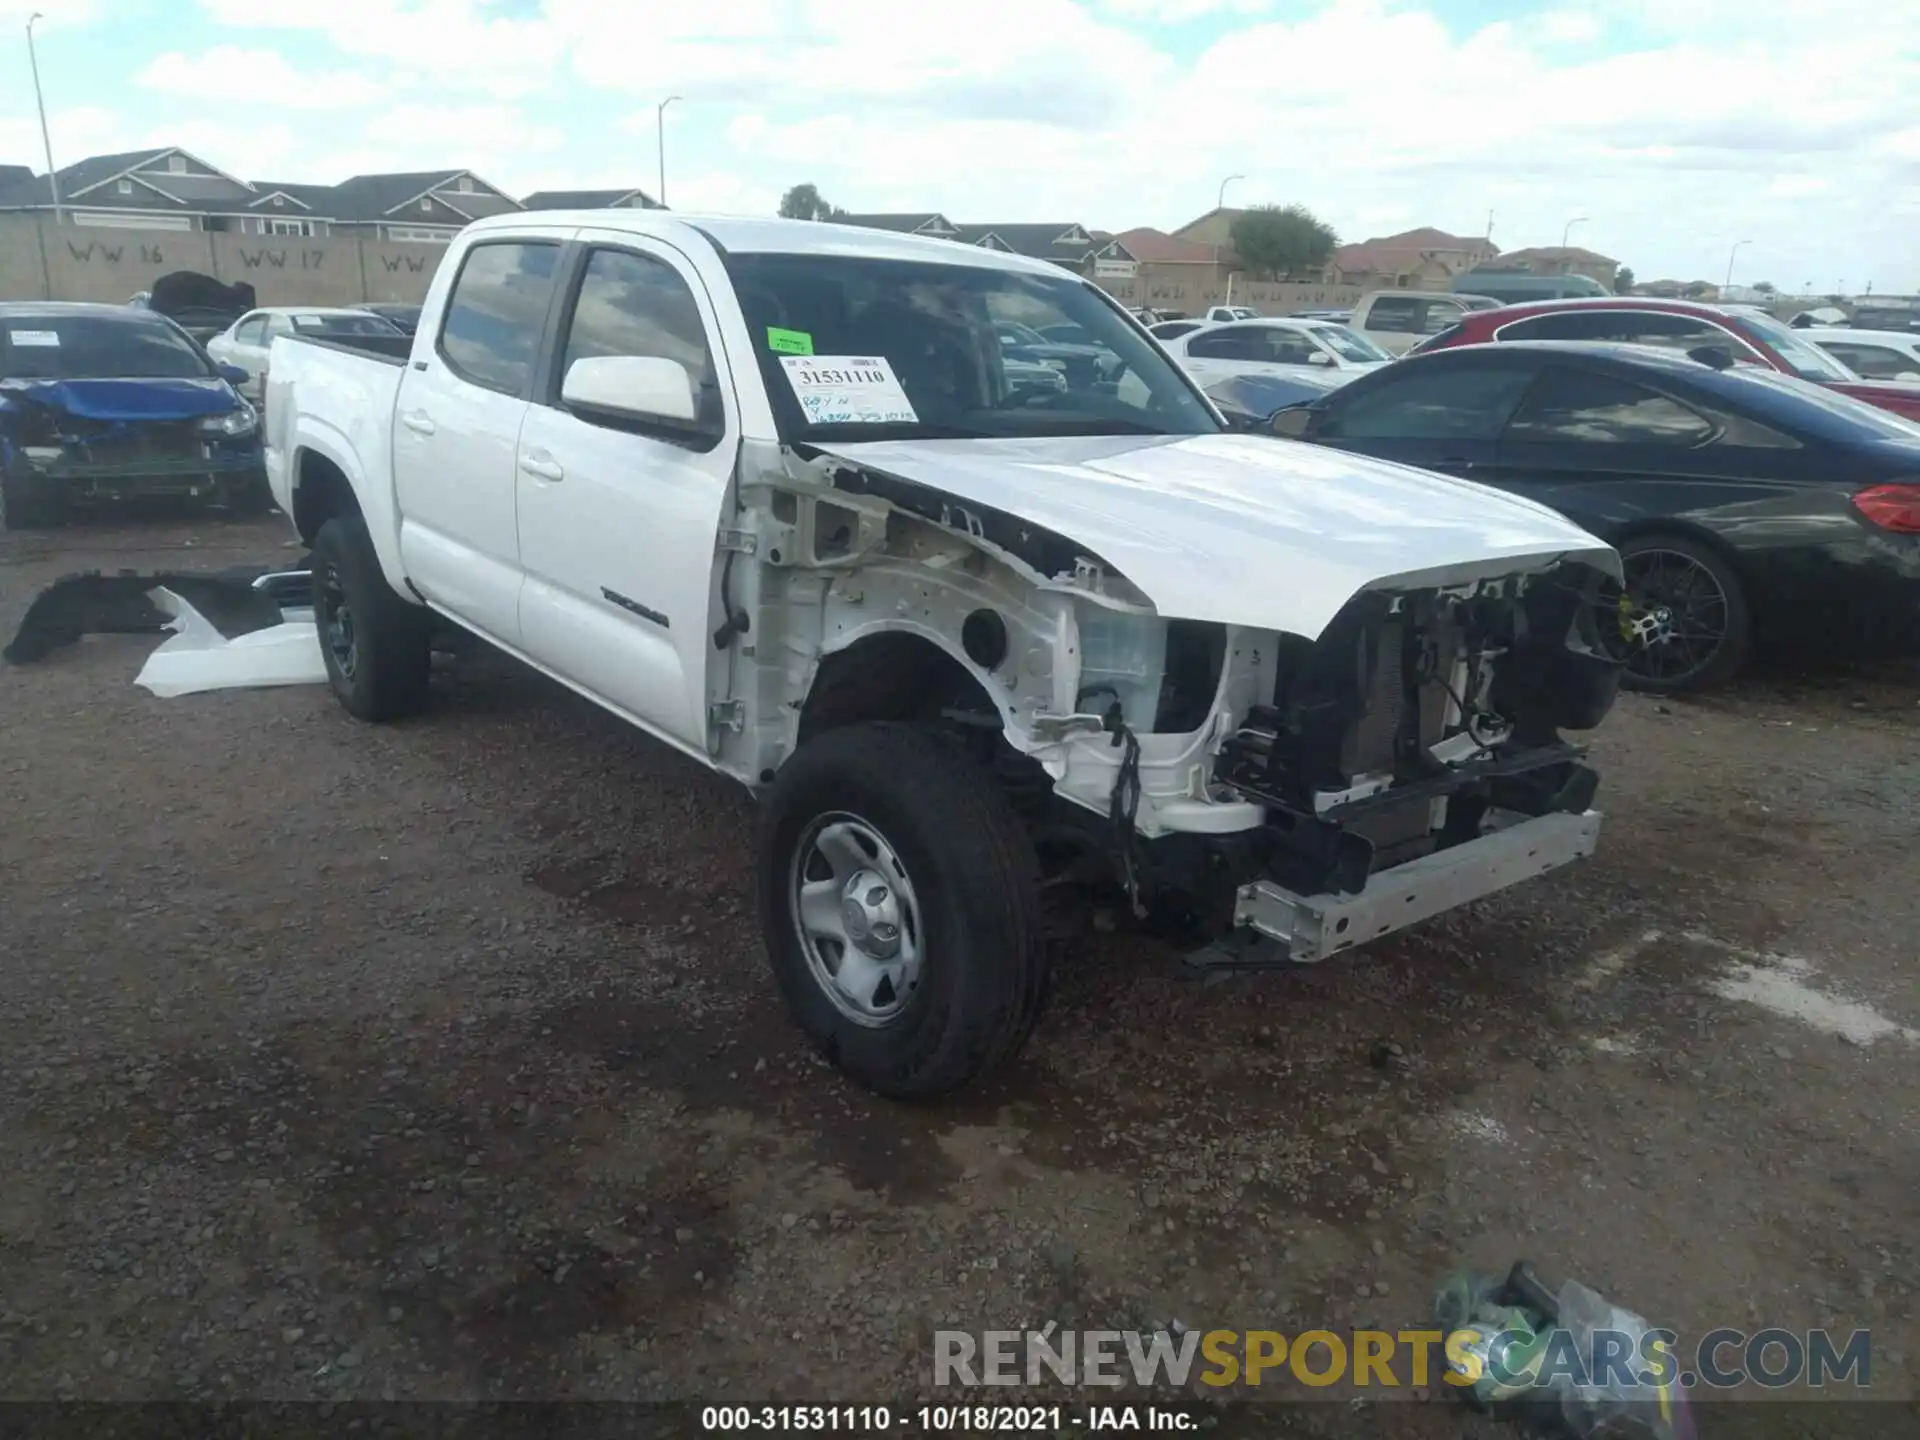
46	141
1219	204
660	132
1730	254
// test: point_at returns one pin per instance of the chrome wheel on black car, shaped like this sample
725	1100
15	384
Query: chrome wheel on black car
1683	621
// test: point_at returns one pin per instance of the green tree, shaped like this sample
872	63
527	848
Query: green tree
1766	287
1694	289
1623	280
1278	241
805	202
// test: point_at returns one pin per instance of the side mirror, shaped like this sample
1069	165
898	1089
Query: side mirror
1292	424
234	375
645	387
1319	357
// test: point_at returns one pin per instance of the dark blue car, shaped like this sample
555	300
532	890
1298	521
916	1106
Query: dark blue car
105	402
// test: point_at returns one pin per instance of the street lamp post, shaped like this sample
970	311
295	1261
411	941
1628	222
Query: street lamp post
1730	257
1567	230
660	132
1220	203
46	141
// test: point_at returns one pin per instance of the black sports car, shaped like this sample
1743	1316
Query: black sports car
1750	507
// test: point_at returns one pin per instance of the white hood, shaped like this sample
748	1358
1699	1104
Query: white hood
1242	529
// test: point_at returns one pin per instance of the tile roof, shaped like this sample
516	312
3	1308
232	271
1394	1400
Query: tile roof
1156	247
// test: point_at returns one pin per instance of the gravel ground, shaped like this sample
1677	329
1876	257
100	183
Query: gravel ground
440	1061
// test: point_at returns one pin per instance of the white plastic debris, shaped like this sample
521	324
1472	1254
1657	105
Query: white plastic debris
197	657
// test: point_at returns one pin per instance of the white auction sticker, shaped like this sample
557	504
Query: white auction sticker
847	390
34	337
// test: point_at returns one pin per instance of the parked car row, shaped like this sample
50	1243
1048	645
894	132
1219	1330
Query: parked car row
102	403
1751	507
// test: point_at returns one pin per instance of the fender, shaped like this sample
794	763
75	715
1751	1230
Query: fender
372	487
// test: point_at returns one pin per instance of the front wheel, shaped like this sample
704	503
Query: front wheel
1683	623
900	902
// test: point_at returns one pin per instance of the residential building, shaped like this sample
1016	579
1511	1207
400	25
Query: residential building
1067	244
1563	260
590	200
173	189
428	205
1419	259
162	189
1215	228
925	223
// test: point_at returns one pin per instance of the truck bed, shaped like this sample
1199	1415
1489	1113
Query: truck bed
388	349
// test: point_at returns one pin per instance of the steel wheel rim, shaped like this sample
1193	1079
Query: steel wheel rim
336	623
857	918
1680	616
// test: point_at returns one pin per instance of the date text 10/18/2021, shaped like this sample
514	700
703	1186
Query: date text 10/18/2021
960	1419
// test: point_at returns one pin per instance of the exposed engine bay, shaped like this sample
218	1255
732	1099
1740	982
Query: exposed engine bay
1192	759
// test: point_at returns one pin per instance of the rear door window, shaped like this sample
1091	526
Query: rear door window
1396	315
1586	408
1429	402
490	335
1872	362
1229	342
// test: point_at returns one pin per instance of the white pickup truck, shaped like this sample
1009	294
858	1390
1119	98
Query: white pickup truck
765	490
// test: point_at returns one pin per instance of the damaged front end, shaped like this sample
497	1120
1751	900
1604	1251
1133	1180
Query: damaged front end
1287	793
59	449
1407	761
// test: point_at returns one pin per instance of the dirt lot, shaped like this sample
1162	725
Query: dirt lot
440	1061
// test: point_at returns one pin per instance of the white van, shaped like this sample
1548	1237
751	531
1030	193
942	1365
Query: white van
1397	320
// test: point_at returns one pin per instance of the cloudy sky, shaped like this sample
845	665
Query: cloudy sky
1677	127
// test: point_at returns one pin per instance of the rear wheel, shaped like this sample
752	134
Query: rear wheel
375	643
1683	622
901	905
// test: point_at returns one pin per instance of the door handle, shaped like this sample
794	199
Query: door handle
1459	462
542	467
418	421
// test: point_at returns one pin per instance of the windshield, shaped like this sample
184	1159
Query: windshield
900	349
334	326
1805	360
96	347
1348	345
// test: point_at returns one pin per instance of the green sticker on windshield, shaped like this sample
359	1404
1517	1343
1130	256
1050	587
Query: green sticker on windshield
789	342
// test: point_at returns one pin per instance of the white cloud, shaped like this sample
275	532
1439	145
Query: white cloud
1676	125
53	13
219	72
453	43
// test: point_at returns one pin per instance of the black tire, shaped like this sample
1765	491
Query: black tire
1681	673
975	884
378	661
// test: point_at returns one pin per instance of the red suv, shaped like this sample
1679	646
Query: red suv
1753	336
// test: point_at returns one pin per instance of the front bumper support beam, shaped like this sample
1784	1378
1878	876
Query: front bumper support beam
1314	927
